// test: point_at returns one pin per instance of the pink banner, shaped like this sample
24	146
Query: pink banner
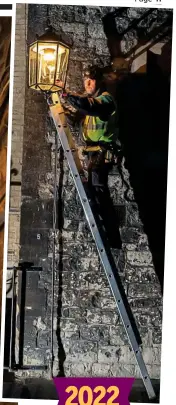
93	391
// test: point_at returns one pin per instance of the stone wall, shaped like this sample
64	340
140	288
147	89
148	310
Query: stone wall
89	338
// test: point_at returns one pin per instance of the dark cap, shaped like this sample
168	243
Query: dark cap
94	73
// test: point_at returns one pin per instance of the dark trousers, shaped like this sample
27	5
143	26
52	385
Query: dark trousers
102	205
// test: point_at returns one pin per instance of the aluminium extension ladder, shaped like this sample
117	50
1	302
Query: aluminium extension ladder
58	116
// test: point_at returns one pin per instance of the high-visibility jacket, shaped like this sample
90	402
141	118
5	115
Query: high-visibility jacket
100	123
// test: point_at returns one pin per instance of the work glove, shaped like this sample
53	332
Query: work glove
74	116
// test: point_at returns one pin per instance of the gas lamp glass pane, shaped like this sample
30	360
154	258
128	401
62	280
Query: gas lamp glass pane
32	65
62	63
47	58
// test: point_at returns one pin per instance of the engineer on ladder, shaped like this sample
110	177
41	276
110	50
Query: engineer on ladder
100	134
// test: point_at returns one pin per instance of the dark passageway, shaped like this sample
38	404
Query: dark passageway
143	104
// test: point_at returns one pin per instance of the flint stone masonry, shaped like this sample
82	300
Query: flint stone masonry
89	339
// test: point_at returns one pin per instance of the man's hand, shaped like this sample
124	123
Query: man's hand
68	109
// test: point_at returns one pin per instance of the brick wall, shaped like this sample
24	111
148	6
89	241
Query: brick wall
89	338
17	135
5	29
16	157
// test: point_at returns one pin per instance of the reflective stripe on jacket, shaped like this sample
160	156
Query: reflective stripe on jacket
102	128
